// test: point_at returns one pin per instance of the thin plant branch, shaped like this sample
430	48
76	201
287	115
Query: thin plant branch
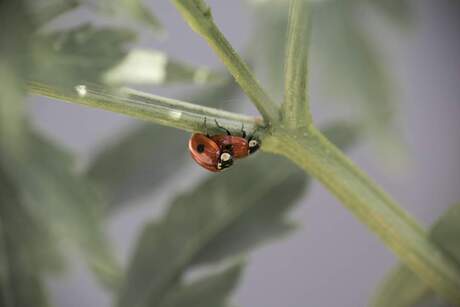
295	108
165	111
198	15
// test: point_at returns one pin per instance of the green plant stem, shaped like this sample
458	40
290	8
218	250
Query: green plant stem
198	15
400	232
295	108
169	112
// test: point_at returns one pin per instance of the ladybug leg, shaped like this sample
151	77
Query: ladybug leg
243	132
220	127
206	127
252	135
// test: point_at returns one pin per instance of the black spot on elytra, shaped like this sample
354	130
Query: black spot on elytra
200	148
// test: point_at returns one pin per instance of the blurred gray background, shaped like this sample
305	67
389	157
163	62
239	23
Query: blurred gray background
332	260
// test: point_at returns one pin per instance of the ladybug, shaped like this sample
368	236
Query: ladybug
208	154
216	153
238	146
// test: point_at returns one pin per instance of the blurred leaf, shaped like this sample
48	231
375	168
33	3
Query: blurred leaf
62	57
149	154
53	193
271	19
14	40
43	11
397	11
133	10
342	133
354	72
402	288
167	248
446	233
352	66
262	220
155	67
244	206
25	252
209	291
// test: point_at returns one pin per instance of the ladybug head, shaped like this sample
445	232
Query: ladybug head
253	145
225	160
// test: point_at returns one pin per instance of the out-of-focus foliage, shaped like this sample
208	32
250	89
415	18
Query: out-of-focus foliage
14	40
211	290
207	224
52	192
402	288
352	70
133	10
43	11
26	251
164	70
65	54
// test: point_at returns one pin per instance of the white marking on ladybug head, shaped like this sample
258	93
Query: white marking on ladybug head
226	157
253	143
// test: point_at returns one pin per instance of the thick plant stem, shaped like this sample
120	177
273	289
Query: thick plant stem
198	15
400	232
295	108
166	111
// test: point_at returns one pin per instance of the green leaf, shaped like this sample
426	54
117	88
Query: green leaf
15	30
212	290
25	251
269	53
155	67
402	288
149	154
397	11
342	133
53	193
44	11
62	58
135	164
261	221
132	10
353	72
446	233
195	219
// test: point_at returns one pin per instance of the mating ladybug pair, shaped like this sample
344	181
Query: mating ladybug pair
216	153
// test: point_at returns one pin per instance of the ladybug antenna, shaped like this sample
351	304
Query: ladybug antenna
220	127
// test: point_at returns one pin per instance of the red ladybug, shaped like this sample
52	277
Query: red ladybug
238	146
208	154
